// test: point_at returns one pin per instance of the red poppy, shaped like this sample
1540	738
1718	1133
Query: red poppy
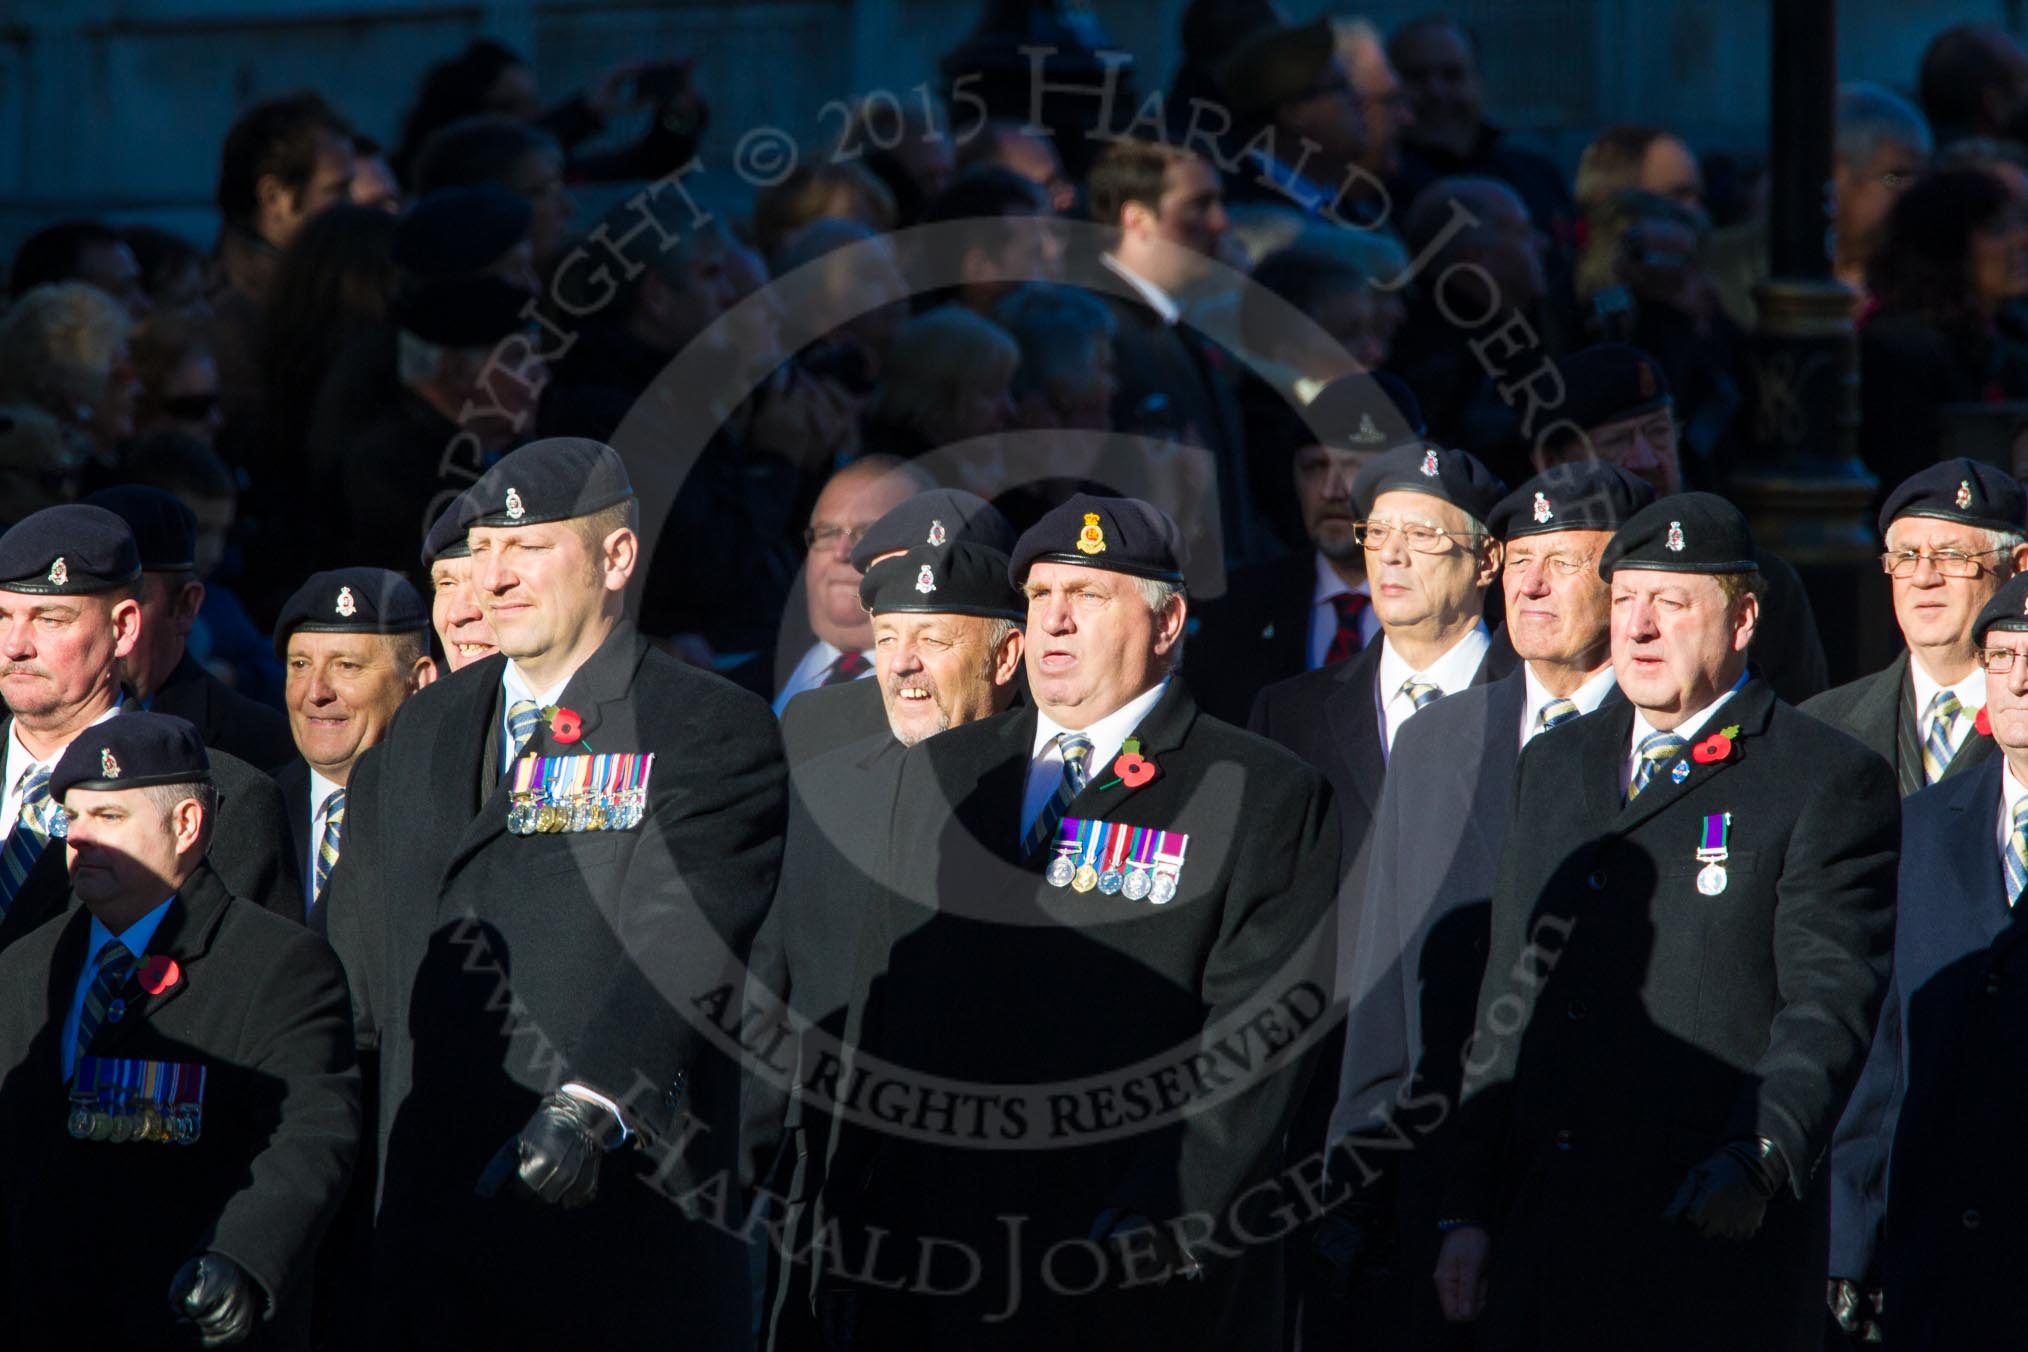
565	726
159	973
1716	747
1134	769
1983	724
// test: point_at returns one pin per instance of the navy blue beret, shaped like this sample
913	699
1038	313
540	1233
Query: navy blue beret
462	312
2007	610
448	537
1683	533
131	751
352	601
1365	413
454	232
555	479
71	550
933	518
165	531
1608	382
1121	535
1577	495
1456	477
956	578
1959	490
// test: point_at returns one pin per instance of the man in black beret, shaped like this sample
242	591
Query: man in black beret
512	844
1434	857
1929	1147
1954	534
1166	871
455	612
160	670
70	613
826	717
1690	940
181	1108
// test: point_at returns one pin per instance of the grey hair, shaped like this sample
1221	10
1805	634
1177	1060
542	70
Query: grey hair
1053	326
57	345
1159	596
1871	116
167	796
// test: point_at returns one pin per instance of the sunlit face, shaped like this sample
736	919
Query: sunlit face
457	616
1411	588
1093	644
543	589
1677	643
58	653
848	505
1935	611
123	849
342	691
1559	609
938	672
2007	695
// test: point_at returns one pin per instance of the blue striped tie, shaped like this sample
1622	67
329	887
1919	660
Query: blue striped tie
25	842
522	716
1421	693
1558	711
115	965
1655	748
327	847
2015	861
1076	749
1936	740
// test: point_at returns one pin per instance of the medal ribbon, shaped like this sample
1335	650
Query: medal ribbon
1116	847
1088	851
1717	827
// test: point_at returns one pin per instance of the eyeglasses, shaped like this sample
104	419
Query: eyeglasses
1419	537
1569	565
827	536
1948	562
1998	661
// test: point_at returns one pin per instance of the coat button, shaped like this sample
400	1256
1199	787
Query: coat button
1563	1138
1971	1219
1597	881
1576	1011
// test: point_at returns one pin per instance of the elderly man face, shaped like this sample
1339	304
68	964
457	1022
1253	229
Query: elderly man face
1558	608
1094	641
59	655
342	691
1678	639
1427	563
1934	609
2007	691
938	672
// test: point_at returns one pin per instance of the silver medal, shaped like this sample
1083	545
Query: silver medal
1165	889
1137	885
1110	882
1711	879
1061	870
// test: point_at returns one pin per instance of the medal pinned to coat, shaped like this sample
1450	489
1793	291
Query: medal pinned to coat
120	1101
1140	863
555	794
1713	852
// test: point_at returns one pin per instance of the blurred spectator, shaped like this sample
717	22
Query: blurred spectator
861	285
821	192
63	348
950	379
1954	251
808	420
1438	60
1064	379
38	466
1010	146
335	282
1974	82
1211	31
1385	111
172	270
905	148
998	233
509	154
373	181
490	79
81	251
1292	104
179	378
1626	157
1883	146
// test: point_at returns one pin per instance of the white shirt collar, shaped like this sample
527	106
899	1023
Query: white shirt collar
516	685
1106	734
321	790
20	758
1586	697
2011	792
1688	728
1450	673
1160	301
1971	693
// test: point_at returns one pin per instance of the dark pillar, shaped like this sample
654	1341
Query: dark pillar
1809	497
1084	80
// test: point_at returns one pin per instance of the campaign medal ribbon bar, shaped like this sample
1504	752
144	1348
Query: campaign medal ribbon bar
1713	853
1168	868
154	1102
603	792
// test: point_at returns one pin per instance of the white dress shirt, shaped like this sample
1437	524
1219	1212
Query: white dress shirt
1324	615
1586	697
1687	730
321	790
136	937
810	672
1971	693
516	687
1160	301
20	761
1045	764
2012	791
1450	673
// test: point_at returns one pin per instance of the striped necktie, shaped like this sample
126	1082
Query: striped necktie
1076	749
848	667
2015	861
25	842
1557	711
1421	693
522	716
327	847
1346	640
1655	748
115	965
1936	738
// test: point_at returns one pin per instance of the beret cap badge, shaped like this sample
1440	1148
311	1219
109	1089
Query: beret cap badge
1543	512
109	767
1675	541
515	510
926	581
1369	433
1092	539
1429	463
59	575
937	534
1964	494
346	605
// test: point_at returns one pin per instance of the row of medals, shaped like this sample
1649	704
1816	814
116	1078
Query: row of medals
174	1124
1135	883
531	815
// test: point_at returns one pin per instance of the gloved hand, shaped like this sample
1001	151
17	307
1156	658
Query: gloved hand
1726	1196
555	1158
218	1296
1855	1308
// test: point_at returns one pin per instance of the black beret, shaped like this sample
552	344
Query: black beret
1121	535
352	601
1959	490
555	479
957	578
1609	382
1275	64
71	550
131	751
462	312
2007	610
933	518
165	531
448	537
1578	495
1683	533
1456	477
455	232
1365	413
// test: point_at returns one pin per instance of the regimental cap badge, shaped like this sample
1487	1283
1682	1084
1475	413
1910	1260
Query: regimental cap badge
1964	494
108	767
1369	433
515	511
346	605
1675	540
937	534
1429	463
1091	540
926	581
1542	509
59	575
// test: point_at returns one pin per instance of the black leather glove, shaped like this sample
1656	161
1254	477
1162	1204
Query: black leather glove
1726	1196
218	1296
555	1158
1855	1308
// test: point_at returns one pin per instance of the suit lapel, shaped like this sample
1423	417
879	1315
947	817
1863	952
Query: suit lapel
1353	715
183	936
1161	732
1749	709
984	795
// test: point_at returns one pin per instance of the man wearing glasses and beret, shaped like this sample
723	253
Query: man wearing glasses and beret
1954	536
